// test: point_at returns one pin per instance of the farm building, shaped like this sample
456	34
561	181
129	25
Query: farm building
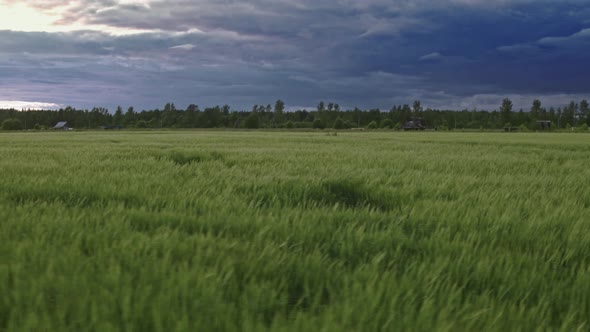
415	124
61	126
544	125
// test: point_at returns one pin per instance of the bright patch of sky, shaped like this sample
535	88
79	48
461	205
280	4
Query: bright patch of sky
19	16
27	105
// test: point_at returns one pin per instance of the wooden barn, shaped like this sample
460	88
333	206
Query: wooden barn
415	124
61	126
544	125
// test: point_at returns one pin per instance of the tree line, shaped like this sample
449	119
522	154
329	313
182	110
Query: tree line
326	115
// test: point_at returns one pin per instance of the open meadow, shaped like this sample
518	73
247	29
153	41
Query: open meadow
294	231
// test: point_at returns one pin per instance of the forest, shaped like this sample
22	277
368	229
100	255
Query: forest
326	115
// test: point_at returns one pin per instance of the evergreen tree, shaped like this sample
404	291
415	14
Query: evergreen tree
130	116
506	111
585	112
118	118
535	110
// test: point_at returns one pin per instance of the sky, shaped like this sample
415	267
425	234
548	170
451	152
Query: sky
450	54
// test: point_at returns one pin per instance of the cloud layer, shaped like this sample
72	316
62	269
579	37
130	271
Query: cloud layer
374	53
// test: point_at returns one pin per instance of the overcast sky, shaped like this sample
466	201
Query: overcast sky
368	53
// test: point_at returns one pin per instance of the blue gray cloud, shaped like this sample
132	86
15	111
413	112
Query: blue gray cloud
374	53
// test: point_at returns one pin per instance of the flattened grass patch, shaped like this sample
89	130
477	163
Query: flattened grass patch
182	158
334	193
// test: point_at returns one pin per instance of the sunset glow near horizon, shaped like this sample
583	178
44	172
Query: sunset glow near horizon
450	54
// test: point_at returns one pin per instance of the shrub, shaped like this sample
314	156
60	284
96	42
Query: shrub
583	128
318	124
141	124
154	123
302	124
290	125
349	124
39	127
12	124
387	123
338	124
252	122
372	125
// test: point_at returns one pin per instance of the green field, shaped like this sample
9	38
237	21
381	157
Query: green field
253	231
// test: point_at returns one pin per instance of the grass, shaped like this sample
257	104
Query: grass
254	231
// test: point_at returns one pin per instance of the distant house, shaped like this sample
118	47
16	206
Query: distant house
61	126
415	124
544	125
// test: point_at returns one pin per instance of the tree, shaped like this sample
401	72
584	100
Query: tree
192	108
99	116
279	107
572	113
536	109
506	111
552	116
339	123
405	113
253	121
357	113
521	118
130	116
212	117
321	106
543	114
118	118
12	124
221	116
169	116
141	124
372	125
169	107
585	111
417	107
318	124
387	123
374	115
189	119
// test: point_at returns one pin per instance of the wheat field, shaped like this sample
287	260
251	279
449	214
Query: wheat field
294	231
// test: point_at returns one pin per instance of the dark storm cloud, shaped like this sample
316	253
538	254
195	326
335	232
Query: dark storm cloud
450	53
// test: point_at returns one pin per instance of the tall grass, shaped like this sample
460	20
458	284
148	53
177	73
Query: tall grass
223	231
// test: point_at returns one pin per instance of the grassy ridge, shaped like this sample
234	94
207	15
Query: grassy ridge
294	231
